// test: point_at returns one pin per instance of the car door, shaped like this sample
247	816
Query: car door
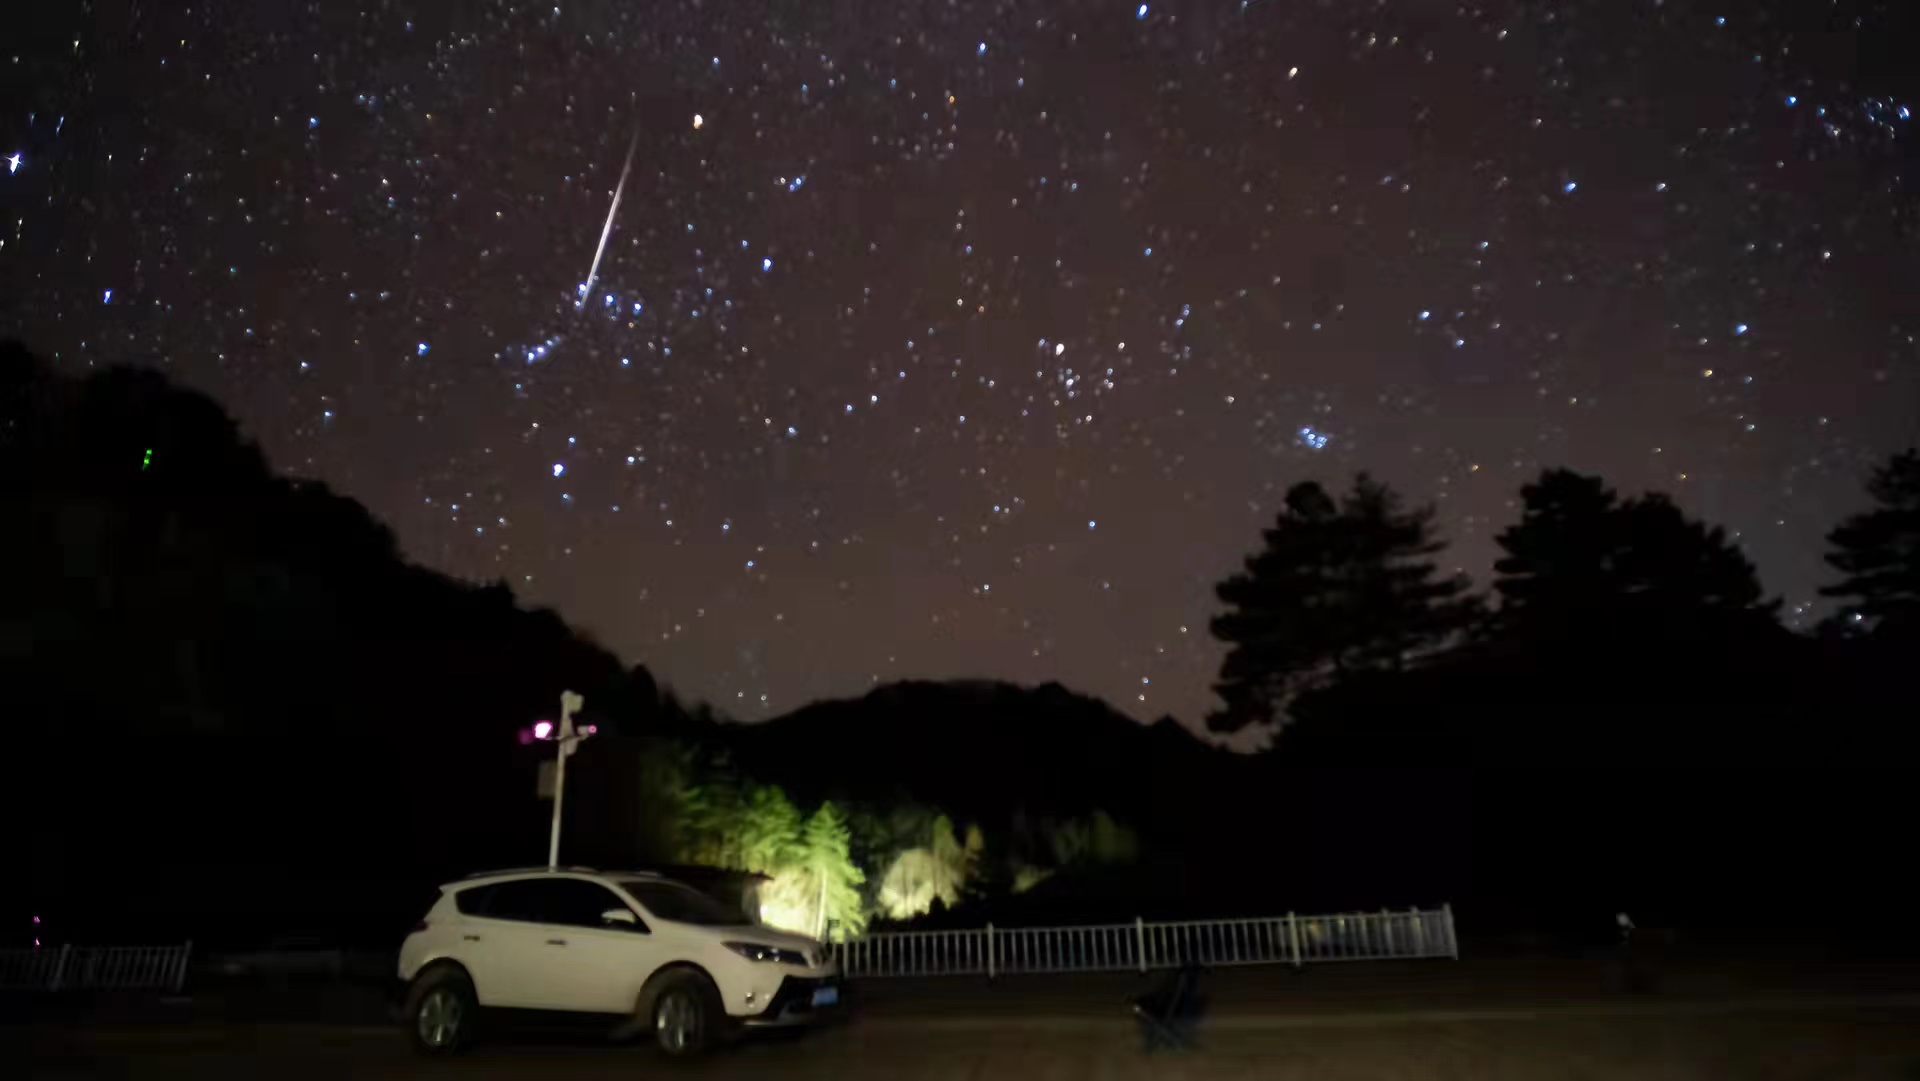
480	942
605	962
524	946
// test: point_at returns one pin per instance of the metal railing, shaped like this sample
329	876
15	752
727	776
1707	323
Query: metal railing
1140	945
95	968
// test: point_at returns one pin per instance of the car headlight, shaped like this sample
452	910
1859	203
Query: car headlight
755	951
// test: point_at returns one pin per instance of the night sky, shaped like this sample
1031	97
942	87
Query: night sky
952	339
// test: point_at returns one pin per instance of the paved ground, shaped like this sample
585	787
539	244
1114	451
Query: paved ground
1381	1023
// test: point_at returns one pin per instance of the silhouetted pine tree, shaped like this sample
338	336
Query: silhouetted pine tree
1338	589
1879	552
1583	564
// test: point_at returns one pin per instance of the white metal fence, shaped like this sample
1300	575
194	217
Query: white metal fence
1140	945
95	968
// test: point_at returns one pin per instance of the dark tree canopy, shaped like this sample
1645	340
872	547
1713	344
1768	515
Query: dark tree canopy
1337	589
1581	557
226	665
1878	550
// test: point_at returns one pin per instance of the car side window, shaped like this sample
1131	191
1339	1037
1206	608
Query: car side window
474	901
578	903
568	902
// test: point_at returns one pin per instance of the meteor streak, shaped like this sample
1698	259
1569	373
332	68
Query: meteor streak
586	288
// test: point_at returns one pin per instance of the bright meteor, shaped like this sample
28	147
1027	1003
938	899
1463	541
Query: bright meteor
586	287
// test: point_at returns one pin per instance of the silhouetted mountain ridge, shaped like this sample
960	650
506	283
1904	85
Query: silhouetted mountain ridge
972	747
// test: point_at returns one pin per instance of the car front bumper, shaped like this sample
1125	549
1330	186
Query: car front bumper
794	1003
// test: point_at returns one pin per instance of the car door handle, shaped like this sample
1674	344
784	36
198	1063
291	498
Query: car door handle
470	938
556	942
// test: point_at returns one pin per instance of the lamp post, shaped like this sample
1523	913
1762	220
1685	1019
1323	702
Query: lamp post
569	741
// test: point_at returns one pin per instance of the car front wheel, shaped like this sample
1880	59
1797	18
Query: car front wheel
442	1013
685	1013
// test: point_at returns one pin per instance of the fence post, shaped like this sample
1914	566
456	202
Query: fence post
1293	936
1453	941
180	969
989	951
1140	940
60	966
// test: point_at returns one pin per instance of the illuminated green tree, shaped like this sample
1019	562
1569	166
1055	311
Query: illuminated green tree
710	831
827	872
1111	841
937	872
770	832
952	863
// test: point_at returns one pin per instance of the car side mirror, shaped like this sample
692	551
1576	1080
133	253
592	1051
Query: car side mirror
618	917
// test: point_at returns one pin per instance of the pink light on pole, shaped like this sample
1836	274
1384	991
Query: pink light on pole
542	729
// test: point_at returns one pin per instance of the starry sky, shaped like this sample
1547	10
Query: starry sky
936	338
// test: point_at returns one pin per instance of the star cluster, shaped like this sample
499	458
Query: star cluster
965	339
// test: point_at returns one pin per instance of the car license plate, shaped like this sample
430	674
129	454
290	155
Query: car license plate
826	996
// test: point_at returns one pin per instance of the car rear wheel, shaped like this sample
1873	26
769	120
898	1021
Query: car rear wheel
684	1013
442	1013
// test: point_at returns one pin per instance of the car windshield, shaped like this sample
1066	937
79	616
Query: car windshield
681	904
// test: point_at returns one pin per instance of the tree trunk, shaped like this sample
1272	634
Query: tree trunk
820	909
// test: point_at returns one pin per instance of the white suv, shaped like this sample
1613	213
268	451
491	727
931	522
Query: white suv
670	958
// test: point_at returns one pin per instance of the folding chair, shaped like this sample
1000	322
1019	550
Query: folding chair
1170	1013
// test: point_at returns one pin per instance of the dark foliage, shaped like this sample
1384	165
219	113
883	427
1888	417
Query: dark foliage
228	686
1336	591
1626	636
1878	551
1029	767
1580	558
1630	727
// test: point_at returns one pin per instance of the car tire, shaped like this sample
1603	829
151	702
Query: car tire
442	1014
683	1013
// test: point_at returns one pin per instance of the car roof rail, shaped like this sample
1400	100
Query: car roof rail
528	871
